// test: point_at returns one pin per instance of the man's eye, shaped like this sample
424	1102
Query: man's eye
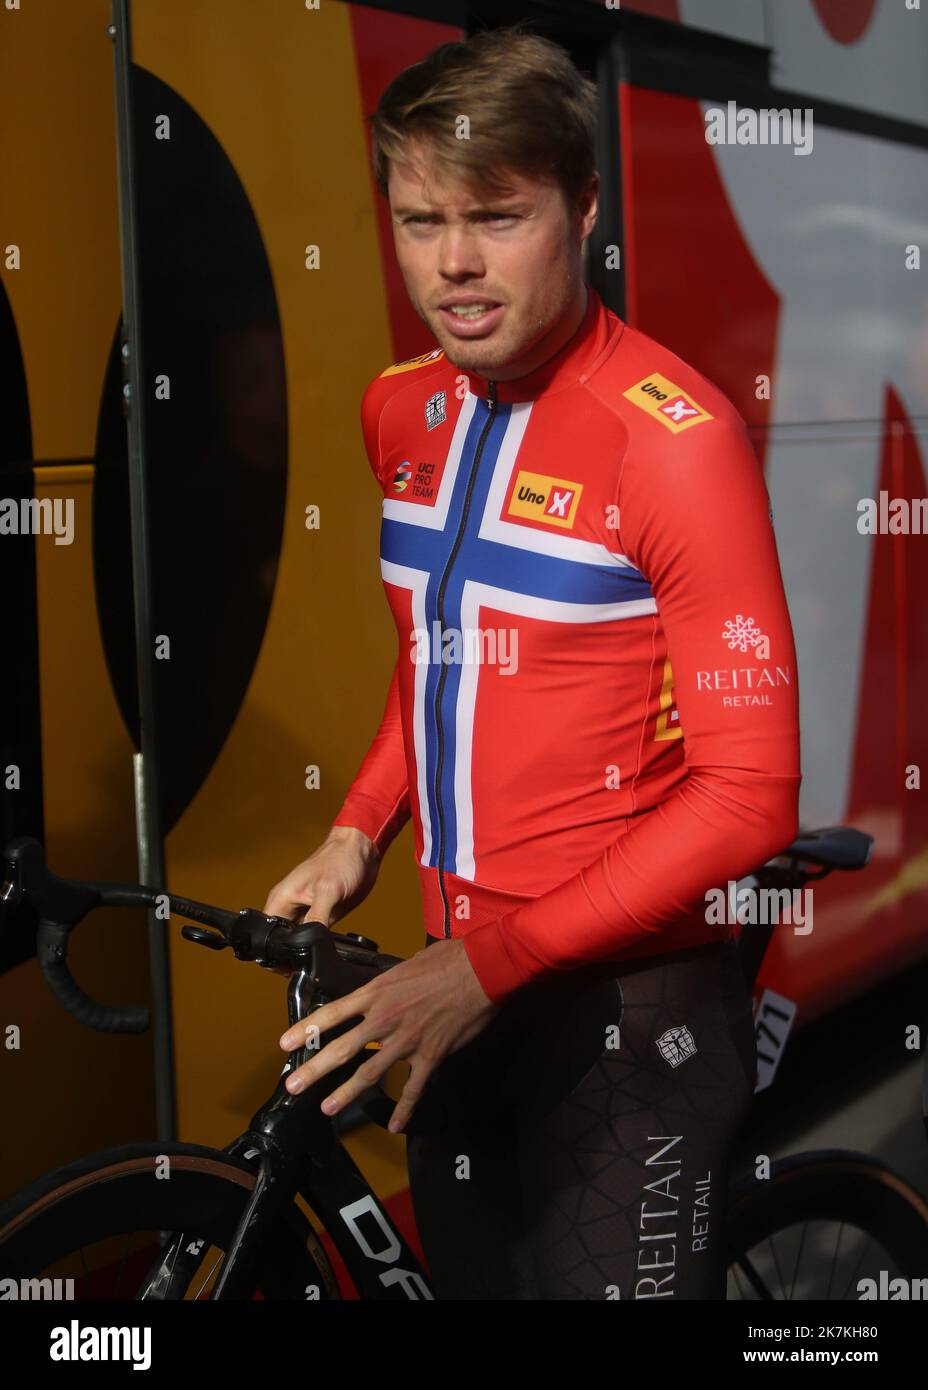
423	219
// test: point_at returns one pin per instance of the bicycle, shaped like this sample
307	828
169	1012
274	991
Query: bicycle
788	1233
233	1212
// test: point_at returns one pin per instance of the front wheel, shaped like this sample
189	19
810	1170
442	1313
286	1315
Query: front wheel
820	1225
102	1221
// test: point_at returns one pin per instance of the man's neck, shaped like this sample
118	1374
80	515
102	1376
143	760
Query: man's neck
549	346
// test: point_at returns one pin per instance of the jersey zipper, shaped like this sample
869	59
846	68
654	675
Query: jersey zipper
443	673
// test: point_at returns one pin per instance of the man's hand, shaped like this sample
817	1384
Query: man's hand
333	880
422	1011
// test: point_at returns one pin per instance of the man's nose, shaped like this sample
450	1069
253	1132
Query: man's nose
459	253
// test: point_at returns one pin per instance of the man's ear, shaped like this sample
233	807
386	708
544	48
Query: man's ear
589	198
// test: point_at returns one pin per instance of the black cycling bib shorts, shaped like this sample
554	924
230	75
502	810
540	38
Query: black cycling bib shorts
578	1146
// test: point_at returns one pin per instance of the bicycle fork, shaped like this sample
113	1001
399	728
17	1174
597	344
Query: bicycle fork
275	1187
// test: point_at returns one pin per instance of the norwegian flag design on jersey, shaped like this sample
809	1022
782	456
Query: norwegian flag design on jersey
460	557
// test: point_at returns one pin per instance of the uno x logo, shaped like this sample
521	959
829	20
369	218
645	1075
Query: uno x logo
664	400
558	502
540	498
678	410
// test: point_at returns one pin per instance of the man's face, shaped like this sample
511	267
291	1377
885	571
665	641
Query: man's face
519	255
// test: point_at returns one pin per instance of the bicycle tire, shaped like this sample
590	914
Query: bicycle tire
831	1186
114	1192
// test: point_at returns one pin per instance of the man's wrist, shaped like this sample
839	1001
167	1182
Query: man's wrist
491	962
351	835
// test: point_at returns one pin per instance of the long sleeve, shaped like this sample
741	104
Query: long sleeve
694	518
378	798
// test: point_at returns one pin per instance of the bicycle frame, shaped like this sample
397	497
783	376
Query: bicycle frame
297	1152
291	1145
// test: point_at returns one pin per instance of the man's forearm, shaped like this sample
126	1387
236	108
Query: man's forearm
640	894
377	803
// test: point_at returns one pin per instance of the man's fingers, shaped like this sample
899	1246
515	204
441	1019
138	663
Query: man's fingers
367	1074
278	905
319	910
410	1096
351	1005
324	893
316	902
333	1055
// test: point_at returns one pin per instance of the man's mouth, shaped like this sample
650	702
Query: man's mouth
465	317
470	311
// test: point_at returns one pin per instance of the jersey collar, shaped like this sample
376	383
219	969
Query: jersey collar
570	365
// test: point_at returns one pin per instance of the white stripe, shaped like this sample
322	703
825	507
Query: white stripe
415	513
493	528
416	581
474	596
464	741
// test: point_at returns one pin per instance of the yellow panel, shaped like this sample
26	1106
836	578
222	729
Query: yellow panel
59	206
60	1086
282	99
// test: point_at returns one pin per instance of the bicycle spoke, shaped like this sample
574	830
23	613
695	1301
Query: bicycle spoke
776	1263
734	1271
866	1246
122	1264
834	1262
753	1278
759	1273
802	1241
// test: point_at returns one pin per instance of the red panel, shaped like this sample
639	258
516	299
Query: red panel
845	20
692	281
914	652
384	44
878	755
660	9
891	732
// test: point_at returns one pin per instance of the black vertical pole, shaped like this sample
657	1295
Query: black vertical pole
609	229
147	800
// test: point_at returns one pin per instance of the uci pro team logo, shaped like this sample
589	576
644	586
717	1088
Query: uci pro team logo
666	402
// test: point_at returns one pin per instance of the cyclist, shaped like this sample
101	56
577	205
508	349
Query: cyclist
592	720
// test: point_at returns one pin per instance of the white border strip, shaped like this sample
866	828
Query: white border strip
492	528
414	513
475	596
416	582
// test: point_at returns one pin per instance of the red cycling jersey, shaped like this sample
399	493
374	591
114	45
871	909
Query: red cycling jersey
593	717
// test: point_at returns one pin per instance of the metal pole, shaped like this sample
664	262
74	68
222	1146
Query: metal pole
145	762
